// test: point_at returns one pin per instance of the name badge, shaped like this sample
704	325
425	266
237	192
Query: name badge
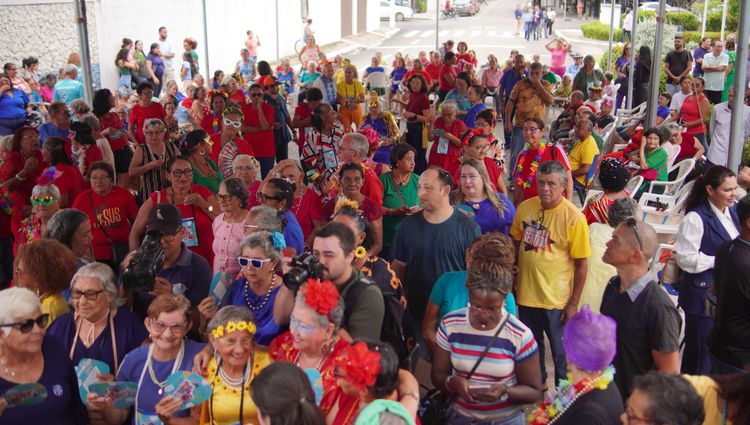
442	147
329	159
191	234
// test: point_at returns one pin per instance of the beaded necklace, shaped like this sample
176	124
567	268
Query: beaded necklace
255	307
549	412
522	157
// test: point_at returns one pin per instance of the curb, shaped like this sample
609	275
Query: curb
561	34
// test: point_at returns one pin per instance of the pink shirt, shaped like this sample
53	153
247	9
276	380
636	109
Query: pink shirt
252	46
558	57
226	246
491	78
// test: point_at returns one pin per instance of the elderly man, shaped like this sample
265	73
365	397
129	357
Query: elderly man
588	77
326	83
714	66
720	127
552	238
664	399
58	124
648	324
584	152
354	148
69	89
574	68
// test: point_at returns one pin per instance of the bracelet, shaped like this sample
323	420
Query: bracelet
448	380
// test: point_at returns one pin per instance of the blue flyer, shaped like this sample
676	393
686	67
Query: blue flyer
189	387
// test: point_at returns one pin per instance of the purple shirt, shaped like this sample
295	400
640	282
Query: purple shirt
509	80
699	53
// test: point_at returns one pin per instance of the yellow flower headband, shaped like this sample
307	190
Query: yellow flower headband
234	326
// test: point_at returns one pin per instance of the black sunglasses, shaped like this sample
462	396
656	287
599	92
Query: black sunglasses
27	325
633	224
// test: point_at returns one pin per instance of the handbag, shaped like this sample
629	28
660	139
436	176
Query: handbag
119	250
435	404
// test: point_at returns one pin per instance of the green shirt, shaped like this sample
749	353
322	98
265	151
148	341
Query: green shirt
391	200
211	184
657	160
551	78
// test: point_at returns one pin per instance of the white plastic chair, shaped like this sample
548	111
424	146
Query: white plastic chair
665	222
377	80
634	111
669	201
633	184
684	168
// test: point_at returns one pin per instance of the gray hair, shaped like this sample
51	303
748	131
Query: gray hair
46	189
359	143
674	125
63	225
230	313
254	162
92	120
106	277
266	218
236	188
70	69
621	210
79	106
553	167
671	399
337	313
449	104
15	303
264	240
228	79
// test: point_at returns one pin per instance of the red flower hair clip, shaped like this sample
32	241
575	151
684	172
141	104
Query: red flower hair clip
359	366
373	138
321	296
221	93
471	134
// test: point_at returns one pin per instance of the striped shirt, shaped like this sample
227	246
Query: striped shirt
515	343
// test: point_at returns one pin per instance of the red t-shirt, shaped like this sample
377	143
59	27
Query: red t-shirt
446	160
262	141
418	103
19	197
307	210
70	181
112	120
444	84
433	70
208	122
139	114
303	112
238	97
93	154
114	213
187	102
369	209
560	156
373	188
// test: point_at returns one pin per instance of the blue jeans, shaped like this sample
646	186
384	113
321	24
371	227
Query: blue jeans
542	321
673	88
695	357
527	28
702	138
516	146
126	82
455	418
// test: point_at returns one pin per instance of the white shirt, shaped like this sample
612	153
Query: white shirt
714	79
721	120
689	235
166	48
677	100
627	23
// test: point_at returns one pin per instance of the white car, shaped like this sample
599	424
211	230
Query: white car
400	7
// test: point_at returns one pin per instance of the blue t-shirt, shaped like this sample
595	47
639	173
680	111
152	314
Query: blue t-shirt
287	79
489	219
450	294
13	107
470	119
430	250
293	232
573	70
48	130
509	80
68	90
148	395
371	69
662	111
398	75
267	328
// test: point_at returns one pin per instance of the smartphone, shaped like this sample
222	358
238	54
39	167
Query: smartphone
478	389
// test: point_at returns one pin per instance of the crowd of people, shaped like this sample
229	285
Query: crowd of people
439	212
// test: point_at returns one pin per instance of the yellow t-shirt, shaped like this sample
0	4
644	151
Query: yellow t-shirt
352	91
706	388
583	153
545	274
599	272
226	400
55	306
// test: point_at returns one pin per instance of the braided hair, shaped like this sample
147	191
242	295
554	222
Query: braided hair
613	175
490	264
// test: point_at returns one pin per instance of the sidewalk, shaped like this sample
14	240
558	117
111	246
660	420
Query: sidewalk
352	44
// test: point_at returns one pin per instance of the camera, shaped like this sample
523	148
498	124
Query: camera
304	266
145	265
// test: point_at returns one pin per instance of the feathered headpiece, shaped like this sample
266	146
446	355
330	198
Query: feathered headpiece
321	296
359	366
373	99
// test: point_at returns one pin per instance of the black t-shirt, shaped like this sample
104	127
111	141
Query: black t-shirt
732	285
678	63
595	408
429	250
651	322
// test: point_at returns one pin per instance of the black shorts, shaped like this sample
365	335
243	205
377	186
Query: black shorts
123	156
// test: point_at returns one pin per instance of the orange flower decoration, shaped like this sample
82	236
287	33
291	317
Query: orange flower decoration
359	366
321	296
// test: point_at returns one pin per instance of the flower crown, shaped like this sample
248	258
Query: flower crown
232	326
469	135
359	366
343	201
232	110
321	296
221	93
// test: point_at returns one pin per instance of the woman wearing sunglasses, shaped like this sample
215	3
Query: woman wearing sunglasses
228	144
313	341
228	227
45	202
30	357
150	365
257	285
197	147
100	327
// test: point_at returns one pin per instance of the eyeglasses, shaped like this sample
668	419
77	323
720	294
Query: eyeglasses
302	328
231	123
224	198
262	197
530	129
486	311
44	200
90	295
168	237
633	419
174	328
27	325
244	168
632	223
256	94
187	172
255	262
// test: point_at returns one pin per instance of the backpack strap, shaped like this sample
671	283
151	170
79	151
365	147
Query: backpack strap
353	294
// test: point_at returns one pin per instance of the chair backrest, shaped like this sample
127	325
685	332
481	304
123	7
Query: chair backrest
617	87
377	80
681	196
660	260
684	168
633	185
592	171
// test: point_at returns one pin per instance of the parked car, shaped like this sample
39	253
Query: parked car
401	8
466	7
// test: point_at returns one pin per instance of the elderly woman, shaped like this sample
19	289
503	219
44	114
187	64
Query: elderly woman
613	177
256	287
211	121
73	229
485	389
306	205
79	108
313	342
236	96
234	366
287	77
13	104
150	158
651	159
20	170
112	211
45	202
247	169
150	365
460	94
144	110
368	371
385	125
589	395
228	144
45	267
262	218
99	327
30	357
61	171
228	227
278	194
205	171
283	395
492	210
446	131
197	205
350	94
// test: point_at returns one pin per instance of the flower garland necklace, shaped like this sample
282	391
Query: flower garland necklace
549	412
258	307
522	157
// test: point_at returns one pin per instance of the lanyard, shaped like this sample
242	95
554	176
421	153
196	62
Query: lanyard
175	368
112	335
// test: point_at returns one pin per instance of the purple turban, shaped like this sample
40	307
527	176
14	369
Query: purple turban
590	340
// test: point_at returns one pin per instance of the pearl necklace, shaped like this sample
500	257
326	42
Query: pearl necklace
254	307
175	367
231	382
4	362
